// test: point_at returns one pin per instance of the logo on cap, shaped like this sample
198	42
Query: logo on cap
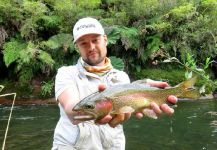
86	26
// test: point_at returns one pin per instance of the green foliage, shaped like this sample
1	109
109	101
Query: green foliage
113	36
185	11
25	76
49	21
9	9
34	8
172	76
33	11
67	10
139	32
1	87
154	44
45	58
129	38
60	41
12	50
89	4
162	26
61	49
142	8
207	85
117	63
28	59
47	88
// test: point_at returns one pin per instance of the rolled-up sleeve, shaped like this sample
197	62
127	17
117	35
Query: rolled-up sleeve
64	79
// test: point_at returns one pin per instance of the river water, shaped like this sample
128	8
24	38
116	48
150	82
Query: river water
192	127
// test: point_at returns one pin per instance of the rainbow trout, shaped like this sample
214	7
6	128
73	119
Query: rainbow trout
133	97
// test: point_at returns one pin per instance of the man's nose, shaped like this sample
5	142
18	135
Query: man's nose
91	46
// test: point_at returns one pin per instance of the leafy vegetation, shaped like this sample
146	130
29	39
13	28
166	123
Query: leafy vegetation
36	36
47	88
191	67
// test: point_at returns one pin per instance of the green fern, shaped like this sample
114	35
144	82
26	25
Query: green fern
154	43
185	11
12	51
129	37
87	4
47	88
113	35
117	63
61	40
46	58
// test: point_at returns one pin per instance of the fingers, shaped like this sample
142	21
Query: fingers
172	99
113	121
104	120
139	115
164	108
167	109
158	84
156	108
101	87
119	118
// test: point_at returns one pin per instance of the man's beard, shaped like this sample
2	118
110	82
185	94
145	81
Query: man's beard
95	62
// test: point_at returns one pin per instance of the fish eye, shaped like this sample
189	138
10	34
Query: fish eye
88	106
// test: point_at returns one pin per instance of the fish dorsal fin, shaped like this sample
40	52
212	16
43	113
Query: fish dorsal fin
142	81
141	84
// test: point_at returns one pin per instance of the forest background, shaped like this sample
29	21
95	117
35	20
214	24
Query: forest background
158	39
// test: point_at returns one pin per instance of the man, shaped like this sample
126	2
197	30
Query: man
93	72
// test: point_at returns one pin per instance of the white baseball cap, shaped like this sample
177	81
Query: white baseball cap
85	26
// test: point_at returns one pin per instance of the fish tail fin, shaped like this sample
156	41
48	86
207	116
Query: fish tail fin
189	83
189	91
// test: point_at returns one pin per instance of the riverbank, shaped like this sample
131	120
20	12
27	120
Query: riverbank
50	101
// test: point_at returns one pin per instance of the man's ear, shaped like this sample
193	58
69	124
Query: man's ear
76	48
106	39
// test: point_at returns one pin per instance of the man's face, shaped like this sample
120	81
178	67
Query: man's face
93	49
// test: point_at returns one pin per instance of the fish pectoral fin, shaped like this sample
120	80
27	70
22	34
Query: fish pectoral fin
126	109
149	113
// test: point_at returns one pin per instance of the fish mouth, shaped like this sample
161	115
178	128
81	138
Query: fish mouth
84	115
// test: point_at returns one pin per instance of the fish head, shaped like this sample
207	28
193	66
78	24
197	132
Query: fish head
92	108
